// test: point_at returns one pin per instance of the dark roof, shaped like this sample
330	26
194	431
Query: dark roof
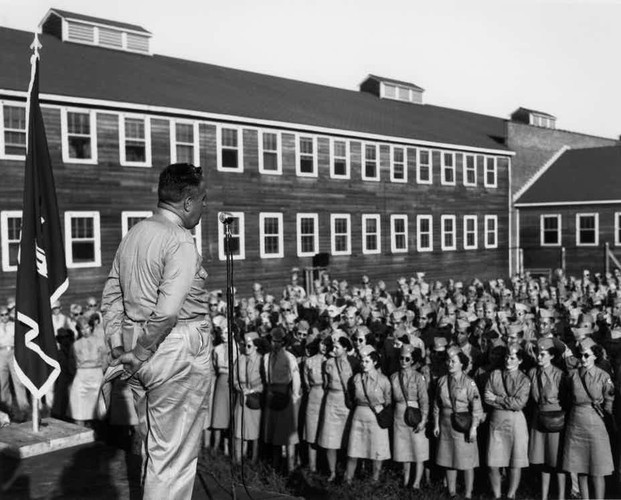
90	19
75	70
579	175
396	82
533	111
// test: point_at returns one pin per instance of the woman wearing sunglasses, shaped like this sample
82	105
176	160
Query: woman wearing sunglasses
337	373
409	389
587	449
249	386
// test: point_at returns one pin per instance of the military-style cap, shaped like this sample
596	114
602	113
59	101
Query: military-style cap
251	336
521	307
453	351
439	343
587	343
546	313
278	334
366	350
545	344
406	349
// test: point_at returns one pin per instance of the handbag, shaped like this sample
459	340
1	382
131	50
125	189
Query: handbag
460	420
349	401
549	421
253	400
384	417
412	416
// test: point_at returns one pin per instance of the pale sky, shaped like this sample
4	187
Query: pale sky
486	56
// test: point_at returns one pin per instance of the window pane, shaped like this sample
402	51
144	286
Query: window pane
270	161
185	154
83	251
229	137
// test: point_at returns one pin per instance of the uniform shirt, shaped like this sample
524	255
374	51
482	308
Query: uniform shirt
548	388
333	381
220	358
516	394
415	390
249	374
464	393
599	385
281	368
378	389
156	279
7	334
313	371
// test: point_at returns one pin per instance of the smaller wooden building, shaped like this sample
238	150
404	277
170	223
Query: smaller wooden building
569	213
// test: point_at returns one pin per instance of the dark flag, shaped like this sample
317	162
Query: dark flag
41	271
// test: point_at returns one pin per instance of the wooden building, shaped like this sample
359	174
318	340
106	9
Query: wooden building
373	181
570	211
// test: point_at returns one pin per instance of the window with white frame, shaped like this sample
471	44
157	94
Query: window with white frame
340	231
271	235
448	232
230	150
423	170
470	170
491	231
238	237
370	163
448	169
184	142
399	233
470	232
307	156
308	234
11	228
135	141
587	230
617	228
82	239
13	136
339	166
550	230
79	133
424	233
491	173
398	165
371	234
269	153
130	219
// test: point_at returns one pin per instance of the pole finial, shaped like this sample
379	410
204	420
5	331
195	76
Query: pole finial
35	46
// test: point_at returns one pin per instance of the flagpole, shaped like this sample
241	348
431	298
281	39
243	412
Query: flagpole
35	413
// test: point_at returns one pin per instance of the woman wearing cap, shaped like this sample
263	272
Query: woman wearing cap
409	389
587	449
284	392
457	449
89	352
372	393
220	415
312	378
336	375
249	386
549	391
507	392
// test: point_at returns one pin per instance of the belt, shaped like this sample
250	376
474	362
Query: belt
6	347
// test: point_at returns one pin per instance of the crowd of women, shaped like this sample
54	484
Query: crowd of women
439	377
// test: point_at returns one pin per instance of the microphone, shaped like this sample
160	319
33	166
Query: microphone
226	217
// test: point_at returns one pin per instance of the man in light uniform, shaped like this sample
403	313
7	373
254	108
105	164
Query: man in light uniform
154	305
7	365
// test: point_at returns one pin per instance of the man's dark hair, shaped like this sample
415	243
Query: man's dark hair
177	181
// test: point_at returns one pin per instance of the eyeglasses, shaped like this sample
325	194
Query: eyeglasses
4	314
213	305
359	339
405	358
92	305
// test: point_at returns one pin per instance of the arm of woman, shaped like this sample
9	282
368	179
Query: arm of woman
436	410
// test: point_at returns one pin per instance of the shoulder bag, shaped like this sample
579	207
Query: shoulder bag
460	420
384	417
548	421
412	416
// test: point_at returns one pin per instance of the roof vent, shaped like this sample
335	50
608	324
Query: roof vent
532	117
387	88
77	28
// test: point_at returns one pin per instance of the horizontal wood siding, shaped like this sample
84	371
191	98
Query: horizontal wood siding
111	189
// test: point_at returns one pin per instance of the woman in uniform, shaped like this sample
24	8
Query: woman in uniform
337	372
587	447
220	416
409	389
312	378
507	392
372	393
247	374
457	449
549	391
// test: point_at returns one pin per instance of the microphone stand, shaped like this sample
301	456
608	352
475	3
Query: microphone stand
230	303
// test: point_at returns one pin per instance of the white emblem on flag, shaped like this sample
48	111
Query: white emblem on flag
41	261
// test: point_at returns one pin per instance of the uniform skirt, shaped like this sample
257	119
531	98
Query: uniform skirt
508	439
280	427
407	445
84	393
331	434
366	438
452	449
544	447
587	448
313	409
220	414
251	420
